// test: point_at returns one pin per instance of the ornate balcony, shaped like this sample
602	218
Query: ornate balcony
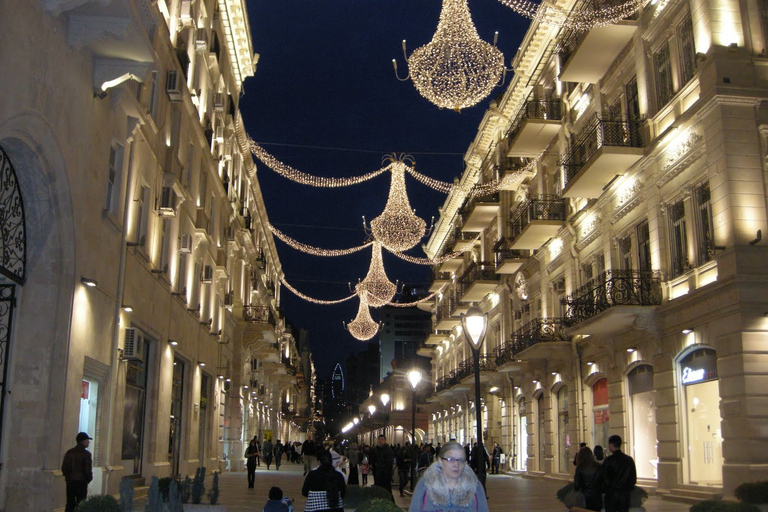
586	56
508	261
534	127
535	221
439	279
613	302
444	321
478	281
541	338
257	314
479	212
604	149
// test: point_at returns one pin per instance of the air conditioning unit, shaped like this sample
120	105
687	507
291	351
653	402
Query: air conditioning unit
220	134
133	344
201	40
173	85
167	202
185	243
185	11
229	233
207	275
219	101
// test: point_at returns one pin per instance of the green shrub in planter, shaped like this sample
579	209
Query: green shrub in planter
752	492
722	506
99	503
164	484
357	495
637	497
378	505
564	491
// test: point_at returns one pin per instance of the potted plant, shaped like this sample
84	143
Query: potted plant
722	506
99	503
357	495
568	496
754	493
378	505
197	493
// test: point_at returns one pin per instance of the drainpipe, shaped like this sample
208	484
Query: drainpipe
112	397
580	406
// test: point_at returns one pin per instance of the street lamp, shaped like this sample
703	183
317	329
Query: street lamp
414	377
371	410
475	323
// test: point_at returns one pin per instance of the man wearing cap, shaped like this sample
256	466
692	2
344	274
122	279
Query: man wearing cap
78	471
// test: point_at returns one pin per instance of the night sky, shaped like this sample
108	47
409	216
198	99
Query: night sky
325	100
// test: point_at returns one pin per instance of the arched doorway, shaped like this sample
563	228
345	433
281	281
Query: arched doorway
563	435
642	396
600	413
521	457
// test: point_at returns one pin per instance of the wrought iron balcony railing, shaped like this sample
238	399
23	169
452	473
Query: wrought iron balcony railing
613	288
536	331
544	109
536	208
484	271
258	314
466	211
599	133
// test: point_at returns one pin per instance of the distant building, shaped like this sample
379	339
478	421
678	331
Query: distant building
402	332
362	374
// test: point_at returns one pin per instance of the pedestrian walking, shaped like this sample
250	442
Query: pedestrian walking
403	461
266	452
250	464
279	448
77	468
308	450
383	464
620	477
364	469
588	479
449	484
496	458
353	456
324	487
599	454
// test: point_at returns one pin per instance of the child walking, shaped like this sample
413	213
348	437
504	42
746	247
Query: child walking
364	468
277	502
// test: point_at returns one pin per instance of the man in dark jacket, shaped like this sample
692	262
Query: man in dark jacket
308	454
385	460
620	477
77	468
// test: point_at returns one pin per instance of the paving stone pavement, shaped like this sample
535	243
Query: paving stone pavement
507	493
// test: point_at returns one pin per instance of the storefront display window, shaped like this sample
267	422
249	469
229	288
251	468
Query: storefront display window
600	413
643	409
521	461
701	396
541	451
562	430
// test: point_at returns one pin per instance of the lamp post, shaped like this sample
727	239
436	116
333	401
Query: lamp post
384	401
371	410
474	324
414	377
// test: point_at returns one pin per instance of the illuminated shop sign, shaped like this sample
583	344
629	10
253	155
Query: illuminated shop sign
690	375
698	366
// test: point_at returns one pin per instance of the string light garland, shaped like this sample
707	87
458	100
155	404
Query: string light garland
376	289
582	20
420	301
311	299
398	228
292	174
456	69
316	251
436	261
363	326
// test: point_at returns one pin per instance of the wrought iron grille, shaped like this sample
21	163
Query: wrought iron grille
503	254
613	288
13	235
547	109
485	271
259	314
538	330
538	208
600	132
7	304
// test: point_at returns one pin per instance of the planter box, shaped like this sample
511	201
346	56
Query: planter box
204	508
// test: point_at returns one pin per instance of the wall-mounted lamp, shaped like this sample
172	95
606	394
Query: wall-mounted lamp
535	381
127	308
631	350
554	374
688	330
494	389
173	343
590	363
90	283
221	377
201	364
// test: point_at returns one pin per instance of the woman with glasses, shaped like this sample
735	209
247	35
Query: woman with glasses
449	485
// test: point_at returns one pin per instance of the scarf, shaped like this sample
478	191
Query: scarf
437	488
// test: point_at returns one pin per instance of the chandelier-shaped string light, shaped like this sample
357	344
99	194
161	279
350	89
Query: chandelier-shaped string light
362	327
316	251
397	228
456	69
312	299
582	20
376	289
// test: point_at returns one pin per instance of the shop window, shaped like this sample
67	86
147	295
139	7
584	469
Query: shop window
564	436
701	402
644	444
600	413
521	457
541	447
678	241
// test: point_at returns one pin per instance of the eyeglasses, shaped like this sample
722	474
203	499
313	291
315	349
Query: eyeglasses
452	459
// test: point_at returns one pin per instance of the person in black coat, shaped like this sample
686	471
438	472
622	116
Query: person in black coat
77	469
324	487
589	479
383	464
620	477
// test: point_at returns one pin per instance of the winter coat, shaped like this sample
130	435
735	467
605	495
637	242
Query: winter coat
620	472
433	495
77	465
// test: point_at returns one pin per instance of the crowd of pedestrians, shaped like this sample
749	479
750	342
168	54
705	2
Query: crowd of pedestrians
605	483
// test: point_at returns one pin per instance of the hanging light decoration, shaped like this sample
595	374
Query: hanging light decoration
398	228
456	69
362	327
312	299
376	289
581	20
316	251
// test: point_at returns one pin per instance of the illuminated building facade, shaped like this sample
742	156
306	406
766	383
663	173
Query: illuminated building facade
623	273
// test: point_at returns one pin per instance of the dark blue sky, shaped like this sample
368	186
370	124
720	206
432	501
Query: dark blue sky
325	79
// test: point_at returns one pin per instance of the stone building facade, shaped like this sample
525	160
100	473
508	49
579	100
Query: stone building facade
621	262
140	294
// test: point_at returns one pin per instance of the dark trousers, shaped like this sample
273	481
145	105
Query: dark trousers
251	474
278	460
617	501
267	461
402	477
495	465
365	478
76	492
